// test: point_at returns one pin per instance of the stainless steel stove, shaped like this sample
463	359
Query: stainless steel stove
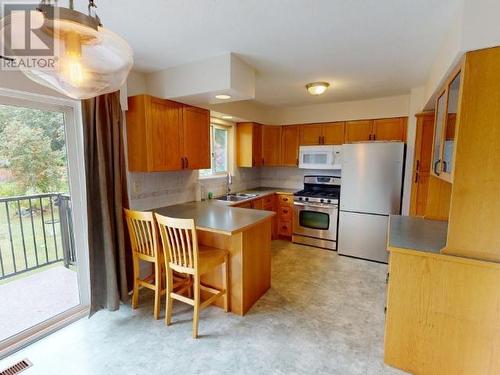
316	212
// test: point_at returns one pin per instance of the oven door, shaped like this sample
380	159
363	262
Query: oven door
315	220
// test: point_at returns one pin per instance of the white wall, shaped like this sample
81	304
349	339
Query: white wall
15	80
476	26
393	106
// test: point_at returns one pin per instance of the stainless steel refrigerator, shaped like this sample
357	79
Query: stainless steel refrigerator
372	177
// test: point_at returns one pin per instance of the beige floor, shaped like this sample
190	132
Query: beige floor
323	315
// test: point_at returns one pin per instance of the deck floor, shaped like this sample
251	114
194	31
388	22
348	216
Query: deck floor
33	299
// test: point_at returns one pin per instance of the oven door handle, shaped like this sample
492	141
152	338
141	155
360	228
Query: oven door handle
332	206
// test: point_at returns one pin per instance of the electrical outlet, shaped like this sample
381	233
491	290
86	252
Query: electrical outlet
136	187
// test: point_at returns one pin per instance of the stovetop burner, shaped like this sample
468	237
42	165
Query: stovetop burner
323	189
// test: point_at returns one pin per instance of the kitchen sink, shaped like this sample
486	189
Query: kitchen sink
236	197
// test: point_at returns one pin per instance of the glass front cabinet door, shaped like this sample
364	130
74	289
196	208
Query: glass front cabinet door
447	108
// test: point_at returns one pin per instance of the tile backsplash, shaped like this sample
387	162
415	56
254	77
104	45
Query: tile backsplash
290	178
151	190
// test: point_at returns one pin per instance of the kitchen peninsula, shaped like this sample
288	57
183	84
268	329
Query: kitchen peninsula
246	234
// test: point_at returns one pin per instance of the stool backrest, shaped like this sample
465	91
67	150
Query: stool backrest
180	243
143	233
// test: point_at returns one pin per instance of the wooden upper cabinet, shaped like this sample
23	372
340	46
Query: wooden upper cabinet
249	144
196	137
271	146
311	134
290	146
162	133
390	129
358	131
154	133
330	133
333	133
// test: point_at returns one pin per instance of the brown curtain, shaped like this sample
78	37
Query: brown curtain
106	197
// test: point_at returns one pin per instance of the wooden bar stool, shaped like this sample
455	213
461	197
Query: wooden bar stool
145	246
185	256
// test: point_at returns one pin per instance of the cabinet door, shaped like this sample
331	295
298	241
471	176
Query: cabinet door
196	134
271	146
164	129
390	129
449	130
333	133
290	146
438	134
358	131
310	134
422	163
257	204
257	145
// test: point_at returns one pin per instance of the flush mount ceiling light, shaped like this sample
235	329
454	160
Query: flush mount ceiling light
317	88
88	60
223	96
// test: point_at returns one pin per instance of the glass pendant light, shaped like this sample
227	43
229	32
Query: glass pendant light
89	59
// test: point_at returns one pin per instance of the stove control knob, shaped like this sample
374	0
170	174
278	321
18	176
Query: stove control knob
300	198
328	201
307	199
321	200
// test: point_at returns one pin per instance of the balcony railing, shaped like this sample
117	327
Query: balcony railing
35	231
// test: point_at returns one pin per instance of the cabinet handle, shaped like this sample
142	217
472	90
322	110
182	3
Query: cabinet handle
182	163
445	166
262	161
297	162
436	163
187	163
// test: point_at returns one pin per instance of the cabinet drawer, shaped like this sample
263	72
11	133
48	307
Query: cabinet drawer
285	228
285	213
285	200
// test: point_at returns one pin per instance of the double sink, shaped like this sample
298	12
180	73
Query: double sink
239	197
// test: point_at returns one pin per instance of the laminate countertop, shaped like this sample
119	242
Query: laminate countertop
413	233
215	217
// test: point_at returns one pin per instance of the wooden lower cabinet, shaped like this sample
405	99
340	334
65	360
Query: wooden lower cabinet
442	314
285	215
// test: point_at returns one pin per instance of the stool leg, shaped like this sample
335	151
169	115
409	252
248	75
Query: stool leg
226	283
135	295
196	314
157	290
168	312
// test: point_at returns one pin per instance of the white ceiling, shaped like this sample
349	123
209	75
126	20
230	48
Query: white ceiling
365	48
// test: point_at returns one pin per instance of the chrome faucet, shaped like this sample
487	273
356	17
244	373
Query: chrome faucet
229	183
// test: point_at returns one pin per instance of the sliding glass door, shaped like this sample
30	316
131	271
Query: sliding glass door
43	267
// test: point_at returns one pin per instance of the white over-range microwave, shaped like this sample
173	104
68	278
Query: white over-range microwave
320	157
